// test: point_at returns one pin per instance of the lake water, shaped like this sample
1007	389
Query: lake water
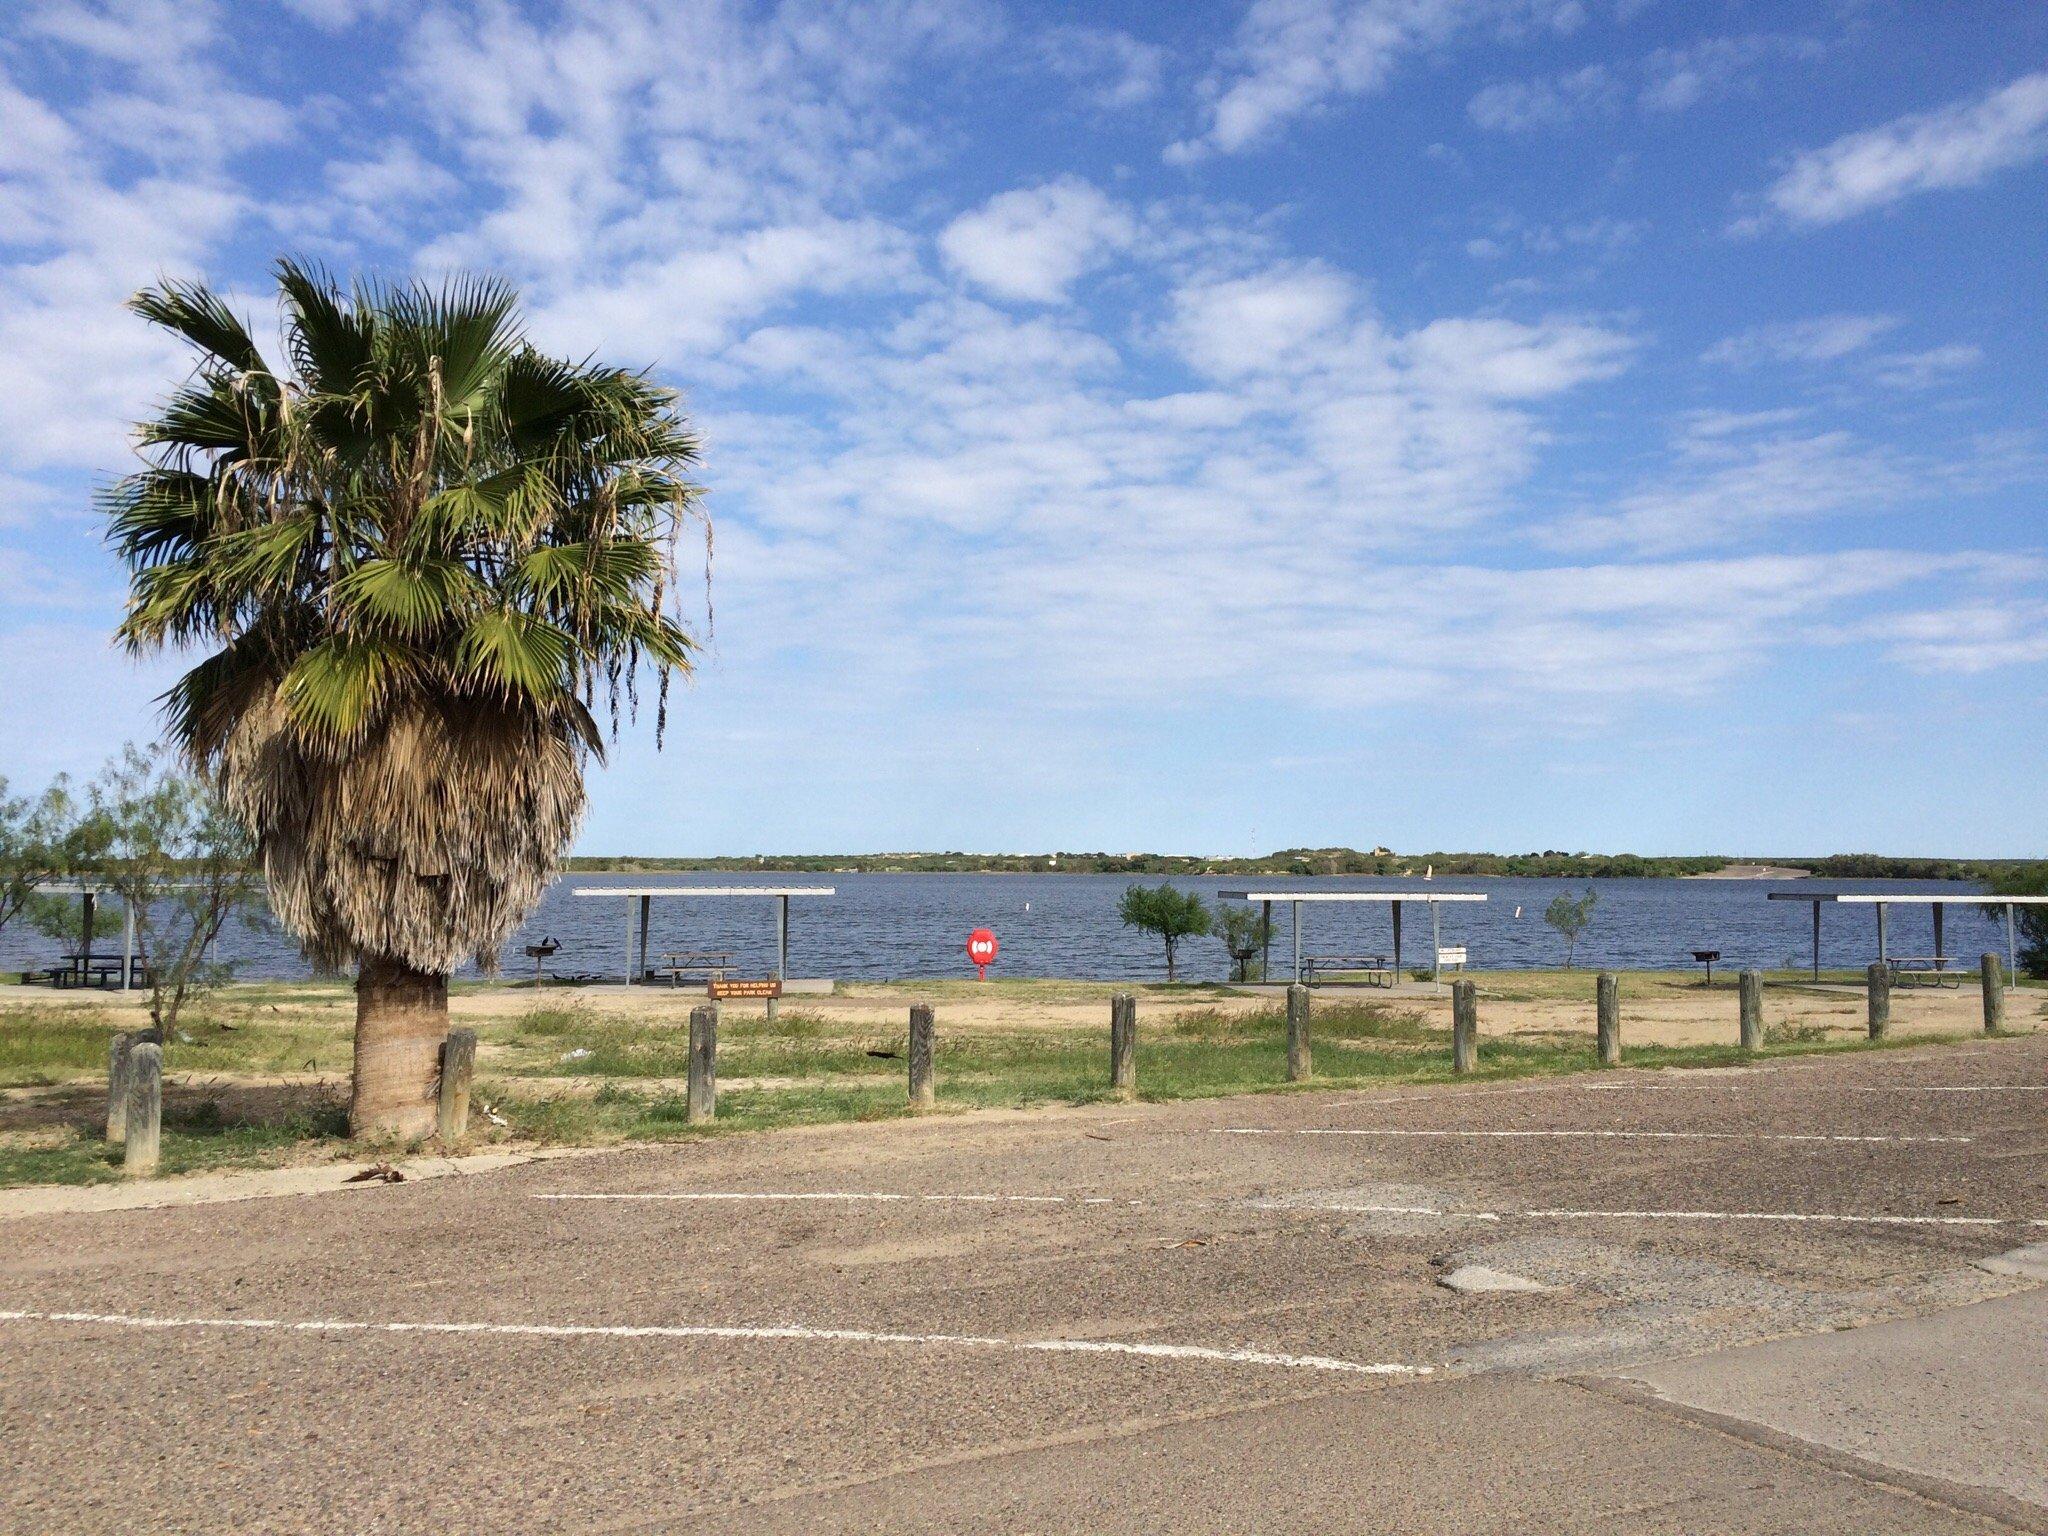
884	926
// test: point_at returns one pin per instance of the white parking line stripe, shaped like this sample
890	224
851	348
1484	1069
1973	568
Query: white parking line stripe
851	1195
707	1331
1831	1088
1787	1216
1254	1130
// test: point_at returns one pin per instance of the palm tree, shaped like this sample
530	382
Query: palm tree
422	561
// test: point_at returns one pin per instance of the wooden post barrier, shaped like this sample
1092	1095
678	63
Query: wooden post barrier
1993	975
1752	1009
923	1092
1607	1006
1123	1043
1299	1064
1464	1025
1877	979
701	1107
118	1050
458	1067
145	1113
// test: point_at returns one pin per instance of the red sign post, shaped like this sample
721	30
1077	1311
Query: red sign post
981	950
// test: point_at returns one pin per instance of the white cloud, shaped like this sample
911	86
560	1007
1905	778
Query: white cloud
1822	339
1739	477
1293	56
339	15
1228	327
1516	106
105	192
1113	70
1922	370
1959	145
1032	243
1667	80
1976	635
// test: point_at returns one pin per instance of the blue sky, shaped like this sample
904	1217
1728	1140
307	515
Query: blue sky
1607	424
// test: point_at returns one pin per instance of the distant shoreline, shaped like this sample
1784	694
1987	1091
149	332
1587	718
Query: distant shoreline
1753	872
1333	862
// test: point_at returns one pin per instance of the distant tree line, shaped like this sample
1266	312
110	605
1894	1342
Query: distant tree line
1552	863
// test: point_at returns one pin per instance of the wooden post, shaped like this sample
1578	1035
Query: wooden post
1123	1043
1878	980
458	1067
1298	1064
145	1116
1994	993
1464	1025
118	1050
1752	1009
1607	1005
923	1092
703	1100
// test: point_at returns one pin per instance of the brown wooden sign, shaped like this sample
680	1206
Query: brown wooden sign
720	986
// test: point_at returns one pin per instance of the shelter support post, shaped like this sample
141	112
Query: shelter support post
1940	947
2012	959
1266	929
1397	939
127	942
646	910
1436	945
1882	954
87	903
629	943
1816	941
1297	943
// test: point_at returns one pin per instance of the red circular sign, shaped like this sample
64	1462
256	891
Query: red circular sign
982	947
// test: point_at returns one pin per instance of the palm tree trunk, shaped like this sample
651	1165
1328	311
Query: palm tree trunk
401	1022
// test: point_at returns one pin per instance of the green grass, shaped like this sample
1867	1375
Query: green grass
806	1068
833	1078
197	1136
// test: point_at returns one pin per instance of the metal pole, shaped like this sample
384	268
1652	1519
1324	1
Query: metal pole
1436	943
782	938
1940	912
646	910
1297	943
629	941
1266	927
1397	940
2011	955
1816	941
1882	954
127	941
85	900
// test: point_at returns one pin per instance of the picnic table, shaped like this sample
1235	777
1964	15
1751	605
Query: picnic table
1372	970
87	969
1925	970
697	964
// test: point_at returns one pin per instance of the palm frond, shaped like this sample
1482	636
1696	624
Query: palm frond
197	313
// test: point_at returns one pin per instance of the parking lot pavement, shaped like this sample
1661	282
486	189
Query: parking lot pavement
1121	1317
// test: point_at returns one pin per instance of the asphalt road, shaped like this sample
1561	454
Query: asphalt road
1219	1316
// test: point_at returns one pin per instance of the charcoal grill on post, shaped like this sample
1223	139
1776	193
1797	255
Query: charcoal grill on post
1707	957
539	953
